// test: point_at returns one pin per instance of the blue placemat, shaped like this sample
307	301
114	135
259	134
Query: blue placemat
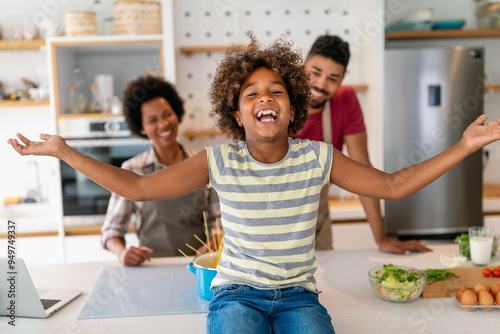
145	290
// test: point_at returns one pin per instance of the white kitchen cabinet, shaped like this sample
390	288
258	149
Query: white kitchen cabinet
123	57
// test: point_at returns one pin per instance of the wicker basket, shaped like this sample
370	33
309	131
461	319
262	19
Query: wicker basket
77	23
136	17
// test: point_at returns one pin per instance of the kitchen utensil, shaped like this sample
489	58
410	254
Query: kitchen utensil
409	26
105	91
202	266
30	33
419	15
489	16
49	28
466	277
448	24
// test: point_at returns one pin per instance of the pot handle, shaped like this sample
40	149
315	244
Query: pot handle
191	268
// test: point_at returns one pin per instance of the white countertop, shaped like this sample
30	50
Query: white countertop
342	277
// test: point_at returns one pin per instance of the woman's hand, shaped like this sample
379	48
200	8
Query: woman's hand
52	145
135	256
478	134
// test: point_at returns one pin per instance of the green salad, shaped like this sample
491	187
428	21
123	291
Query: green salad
397	284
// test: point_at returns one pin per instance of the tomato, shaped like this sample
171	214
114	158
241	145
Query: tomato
487	272
496	272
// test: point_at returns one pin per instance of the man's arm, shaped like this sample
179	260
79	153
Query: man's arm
357	146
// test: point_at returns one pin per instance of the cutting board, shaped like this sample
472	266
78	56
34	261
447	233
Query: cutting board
466	277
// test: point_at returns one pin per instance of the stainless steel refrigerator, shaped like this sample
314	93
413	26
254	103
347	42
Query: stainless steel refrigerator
431	96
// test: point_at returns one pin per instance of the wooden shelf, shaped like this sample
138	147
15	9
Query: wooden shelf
32	234
443	33
492	87
23	103
189	50
11	45
88	115
88	230
202	133
359	88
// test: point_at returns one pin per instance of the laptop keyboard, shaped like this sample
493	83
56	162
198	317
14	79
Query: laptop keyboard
48	303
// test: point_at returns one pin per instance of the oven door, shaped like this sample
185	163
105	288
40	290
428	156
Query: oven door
84	201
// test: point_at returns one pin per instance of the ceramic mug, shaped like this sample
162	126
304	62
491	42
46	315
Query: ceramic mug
49	28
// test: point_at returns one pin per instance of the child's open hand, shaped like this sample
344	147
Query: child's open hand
51	145
478	134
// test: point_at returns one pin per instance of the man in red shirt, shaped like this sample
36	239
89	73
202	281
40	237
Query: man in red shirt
335	117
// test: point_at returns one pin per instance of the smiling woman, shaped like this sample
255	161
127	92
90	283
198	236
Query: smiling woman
153	110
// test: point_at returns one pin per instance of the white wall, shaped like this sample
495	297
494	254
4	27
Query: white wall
202	23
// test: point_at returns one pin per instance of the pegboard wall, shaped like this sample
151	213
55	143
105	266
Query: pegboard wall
224	22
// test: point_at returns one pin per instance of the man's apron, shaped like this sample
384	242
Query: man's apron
324	224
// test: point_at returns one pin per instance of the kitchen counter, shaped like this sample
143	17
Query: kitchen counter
351	209
342	277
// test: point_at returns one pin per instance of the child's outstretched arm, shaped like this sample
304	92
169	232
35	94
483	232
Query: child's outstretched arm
170	182
367	181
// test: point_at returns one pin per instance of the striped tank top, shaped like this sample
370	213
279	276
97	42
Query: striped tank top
269	213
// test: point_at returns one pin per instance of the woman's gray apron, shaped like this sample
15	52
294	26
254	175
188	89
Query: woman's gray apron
167	225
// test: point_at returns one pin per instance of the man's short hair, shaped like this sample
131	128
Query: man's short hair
332	47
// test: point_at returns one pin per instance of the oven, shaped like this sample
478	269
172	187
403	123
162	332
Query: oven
106	139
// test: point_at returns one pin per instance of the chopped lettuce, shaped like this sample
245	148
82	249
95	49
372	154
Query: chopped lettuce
398	284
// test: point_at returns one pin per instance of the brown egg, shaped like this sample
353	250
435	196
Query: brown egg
461	290
469	298
485	299
479	286
494	290
498	299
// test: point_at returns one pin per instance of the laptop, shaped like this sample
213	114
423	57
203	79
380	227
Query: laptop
17	292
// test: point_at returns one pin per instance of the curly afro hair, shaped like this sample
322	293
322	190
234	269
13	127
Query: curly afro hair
332	47
237	65
144	89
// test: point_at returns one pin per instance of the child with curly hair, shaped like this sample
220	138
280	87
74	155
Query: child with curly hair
268	186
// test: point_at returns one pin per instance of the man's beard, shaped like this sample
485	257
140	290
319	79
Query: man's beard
317	105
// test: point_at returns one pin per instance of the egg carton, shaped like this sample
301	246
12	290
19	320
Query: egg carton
474	307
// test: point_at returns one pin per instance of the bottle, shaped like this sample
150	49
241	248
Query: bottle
116	106
95	105
73	104
78	82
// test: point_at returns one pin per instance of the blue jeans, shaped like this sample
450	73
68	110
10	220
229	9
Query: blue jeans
242	309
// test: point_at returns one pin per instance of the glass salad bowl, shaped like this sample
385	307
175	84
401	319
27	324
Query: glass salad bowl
397	284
